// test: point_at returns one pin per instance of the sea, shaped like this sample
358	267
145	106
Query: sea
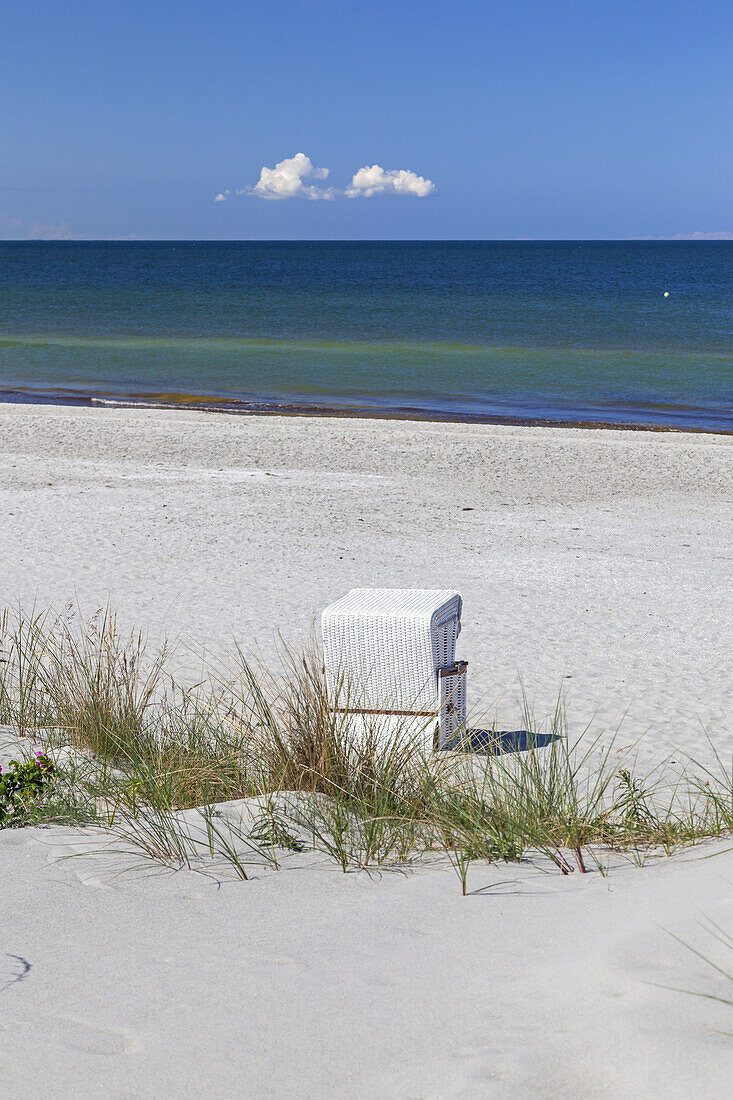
622	333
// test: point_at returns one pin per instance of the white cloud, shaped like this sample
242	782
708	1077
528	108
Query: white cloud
717	235
16	229
285	180
699	235
46	231
393	181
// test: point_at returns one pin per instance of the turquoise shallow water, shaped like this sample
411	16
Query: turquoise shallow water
561	331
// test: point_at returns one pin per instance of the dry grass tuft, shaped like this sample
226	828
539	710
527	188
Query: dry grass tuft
371	798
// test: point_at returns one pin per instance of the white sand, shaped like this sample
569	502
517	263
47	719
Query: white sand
600	556
306	982
598	560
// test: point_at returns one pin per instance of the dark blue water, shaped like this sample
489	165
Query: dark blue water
549	331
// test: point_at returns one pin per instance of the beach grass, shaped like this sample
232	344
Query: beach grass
154	756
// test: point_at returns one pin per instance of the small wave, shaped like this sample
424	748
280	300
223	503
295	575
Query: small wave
707	422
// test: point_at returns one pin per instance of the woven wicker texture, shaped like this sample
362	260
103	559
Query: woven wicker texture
384	646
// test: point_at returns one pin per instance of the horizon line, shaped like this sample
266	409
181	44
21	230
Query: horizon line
366	240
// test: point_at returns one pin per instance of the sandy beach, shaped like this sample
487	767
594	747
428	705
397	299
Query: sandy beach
594	561
591	560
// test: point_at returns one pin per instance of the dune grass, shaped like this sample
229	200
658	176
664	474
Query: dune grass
156	746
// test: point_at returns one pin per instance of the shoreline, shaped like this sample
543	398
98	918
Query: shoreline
234	407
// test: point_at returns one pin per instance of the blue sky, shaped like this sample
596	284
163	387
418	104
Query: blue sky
529	118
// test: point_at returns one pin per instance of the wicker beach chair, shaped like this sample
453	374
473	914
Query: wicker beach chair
391	652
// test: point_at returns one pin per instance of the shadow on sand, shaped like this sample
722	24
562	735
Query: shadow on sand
497	742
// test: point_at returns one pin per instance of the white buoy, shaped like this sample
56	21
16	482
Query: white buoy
666	294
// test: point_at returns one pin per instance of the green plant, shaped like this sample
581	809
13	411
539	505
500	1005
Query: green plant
367	794
270	830
23	784
23	651
101	684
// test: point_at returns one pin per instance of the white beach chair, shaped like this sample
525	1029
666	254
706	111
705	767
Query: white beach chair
391	652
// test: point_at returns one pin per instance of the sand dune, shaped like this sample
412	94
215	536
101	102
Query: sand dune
123	980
